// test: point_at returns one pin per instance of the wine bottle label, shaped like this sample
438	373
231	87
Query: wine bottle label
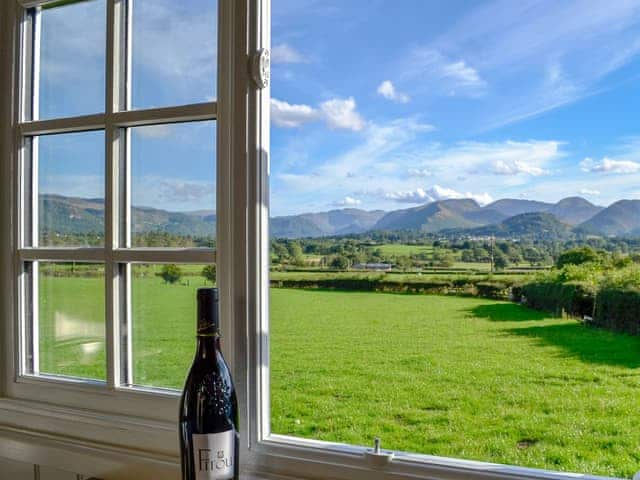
213	455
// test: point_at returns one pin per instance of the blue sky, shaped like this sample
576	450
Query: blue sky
383	104
172	166
380	104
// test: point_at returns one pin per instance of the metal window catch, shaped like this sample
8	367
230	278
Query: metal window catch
261	68
377	457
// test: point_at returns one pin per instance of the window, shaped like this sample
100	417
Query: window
116	167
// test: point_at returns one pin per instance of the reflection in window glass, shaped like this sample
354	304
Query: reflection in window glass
71	189
71	321
173	185
174	52
164	321
457	182
72	59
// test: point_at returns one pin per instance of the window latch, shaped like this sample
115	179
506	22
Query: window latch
261	68
377	457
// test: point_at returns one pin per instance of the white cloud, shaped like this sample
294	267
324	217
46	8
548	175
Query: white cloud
154	131
433	194
83	186
516	167
173	194
286	115
336	113
173	42
184	191
609	165
347	202
437	72
341	113
420	172
284	53
388	91
463	74
588	191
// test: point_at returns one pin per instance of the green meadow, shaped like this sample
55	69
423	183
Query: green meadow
451	376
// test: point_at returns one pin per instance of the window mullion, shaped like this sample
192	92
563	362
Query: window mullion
113	282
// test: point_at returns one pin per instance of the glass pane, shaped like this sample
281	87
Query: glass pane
72	59
71	189
164	321
173	185
455	209
71	320
174	52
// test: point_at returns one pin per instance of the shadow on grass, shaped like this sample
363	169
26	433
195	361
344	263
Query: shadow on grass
588	344
507	312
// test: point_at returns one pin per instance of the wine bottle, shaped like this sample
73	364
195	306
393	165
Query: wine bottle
209	435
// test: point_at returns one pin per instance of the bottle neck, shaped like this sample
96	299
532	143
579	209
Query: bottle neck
208	346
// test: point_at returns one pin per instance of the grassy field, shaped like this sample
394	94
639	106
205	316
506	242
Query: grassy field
403	249
461	377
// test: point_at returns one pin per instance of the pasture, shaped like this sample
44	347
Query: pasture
460	377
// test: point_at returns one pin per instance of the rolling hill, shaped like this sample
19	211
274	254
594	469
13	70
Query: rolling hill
433	217
541	225
619	218
506	217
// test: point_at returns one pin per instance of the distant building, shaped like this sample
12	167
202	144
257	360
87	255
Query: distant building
381	267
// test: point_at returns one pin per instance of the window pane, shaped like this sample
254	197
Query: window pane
72	59
174	52
164	321
454	201
173	185
71	319
71	189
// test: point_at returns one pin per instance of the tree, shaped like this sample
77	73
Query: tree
577	256
171	273
500	261
340	262
467	256
209	273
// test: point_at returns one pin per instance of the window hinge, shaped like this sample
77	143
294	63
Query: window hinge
261	68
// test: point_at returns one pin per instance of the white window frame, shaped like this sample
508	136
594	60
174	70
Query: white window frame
144	419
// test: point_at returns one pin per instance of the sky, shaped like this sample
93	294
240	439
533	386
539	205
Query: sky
375	104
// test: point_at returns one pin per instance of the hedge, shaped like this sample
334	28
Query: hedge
618	309
574	298
496	290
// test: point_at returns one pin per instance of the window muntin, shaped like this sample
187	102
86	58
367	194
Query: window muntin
78	205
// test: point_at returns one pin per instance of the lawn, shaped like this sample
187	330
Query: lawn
403	249
460	377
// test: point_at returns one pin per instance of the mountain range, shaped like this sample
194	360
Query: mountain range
504	218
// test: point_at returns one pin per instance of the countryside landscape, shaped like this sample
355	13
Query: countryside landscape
506	333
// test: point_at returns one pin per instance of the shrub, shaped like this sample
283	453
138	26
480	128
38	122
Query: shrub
575	298
577	256
209	273
171	273
618	309
495	290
